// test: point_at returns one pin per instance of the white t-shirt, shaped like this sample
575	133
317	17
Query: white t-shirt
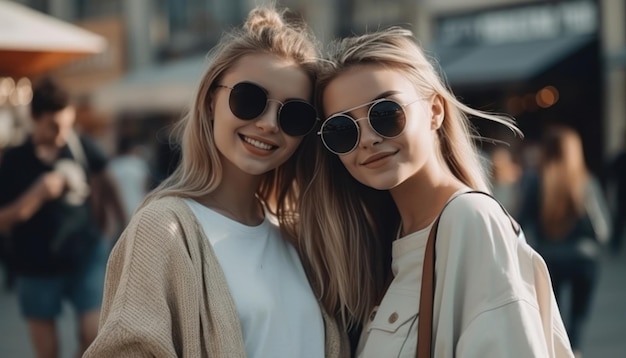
493	296
279	314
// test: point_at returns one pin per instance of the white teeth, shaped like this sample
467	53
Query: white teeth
257	143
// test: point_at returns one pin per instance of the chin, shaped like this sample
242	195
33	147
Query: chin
380	185
254	170
382	182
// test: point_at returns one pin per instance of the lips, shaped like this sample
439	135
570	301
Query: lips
259	144
377	157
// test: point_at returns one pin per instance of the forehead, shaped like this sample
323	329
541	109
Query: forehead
364	83
64	117
282	78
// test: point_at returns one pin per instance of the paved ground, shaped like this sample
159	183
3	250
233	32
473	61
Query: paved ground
605	335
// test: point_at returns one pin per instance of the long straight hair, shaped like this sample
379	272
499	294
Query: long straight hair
346	226
564	176
266	30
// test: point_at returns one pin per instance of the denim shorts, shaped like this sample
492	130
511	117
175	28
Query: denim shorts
41	297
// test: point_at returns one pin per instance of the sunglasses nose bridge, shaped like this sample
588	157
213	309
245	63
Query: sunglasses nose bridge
268	120
280	104
368	135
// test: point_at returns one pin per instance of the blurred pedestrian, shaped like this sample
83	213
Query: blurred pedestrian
395	156
616	175
566	212
57	250
131	172
206	267
506	176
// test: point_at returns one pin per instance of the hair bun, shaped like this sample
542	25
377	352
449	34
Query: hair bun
260	18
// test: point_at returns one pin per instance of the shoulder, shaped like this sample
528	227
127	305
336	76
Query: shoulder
156	239
473	209
477	229
164	220
17	164
163	210
94	152
594	183
17	153
593	189
478	246
89	143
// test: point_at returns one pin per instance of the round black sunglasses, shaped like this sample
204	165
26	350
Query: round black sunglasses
340	133
248	101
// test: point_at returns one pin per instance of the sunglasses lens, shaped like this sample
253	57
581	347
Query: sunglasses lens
387	118
297	118
340	134
247	100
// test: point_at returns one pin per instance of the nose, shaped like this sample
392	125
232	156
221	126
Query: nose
268	120
368	137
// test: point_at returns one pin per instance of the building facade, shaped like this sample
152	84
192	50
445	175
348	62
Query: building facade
539	61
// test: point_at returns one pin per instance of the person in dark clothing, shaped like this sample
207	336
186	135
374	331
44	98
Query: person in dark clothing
57	249
567	220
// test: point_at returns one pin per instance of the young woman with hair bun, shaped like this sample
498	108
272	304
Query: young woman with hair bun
206	267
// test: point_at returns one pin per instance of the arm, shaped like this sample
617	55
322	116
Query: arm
525	334
141	294
49	186
489	281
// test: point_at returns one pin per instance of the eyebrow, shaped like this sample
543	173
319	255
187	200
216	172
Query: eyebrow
380	96
385	95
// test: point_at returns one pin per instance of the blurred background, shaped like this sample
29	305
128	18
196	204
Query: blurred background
133	65
540	61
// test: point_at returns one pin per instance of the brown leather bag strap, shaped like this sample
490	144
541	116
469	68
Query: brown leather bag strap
427	291
427	295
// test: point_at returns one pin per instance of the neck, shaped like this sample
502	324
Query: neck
235	198
45	152
420	199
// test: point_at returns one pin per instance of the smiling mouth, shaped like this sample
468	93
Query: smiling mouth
258	144
377	158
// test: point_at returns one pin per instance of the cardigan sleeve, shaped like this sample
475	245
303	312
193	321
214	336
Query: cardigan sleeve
145	290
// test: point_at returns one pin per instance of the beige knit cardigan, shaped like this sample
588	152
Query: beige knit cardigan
166	295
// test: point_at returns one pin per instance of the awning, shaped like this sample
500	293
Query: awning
32	43
509	62
164	87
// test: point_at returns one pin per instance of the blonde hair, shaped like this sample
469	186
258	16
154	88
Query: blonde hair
346	226
266	30
564	177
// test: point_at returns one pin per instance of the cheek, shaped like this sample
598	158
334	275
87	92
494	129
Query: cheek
220	134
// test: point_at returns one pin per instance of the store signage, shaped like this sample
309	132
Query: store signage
526	23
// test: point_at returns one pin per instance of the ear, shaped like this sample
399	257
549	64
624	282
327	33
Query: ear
210	103
438	112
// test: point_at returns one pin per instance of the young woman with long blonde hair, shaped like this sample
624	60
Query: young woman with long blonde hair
396	148
205	268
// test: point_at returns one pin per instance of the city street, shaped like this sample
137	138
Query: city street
605	334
